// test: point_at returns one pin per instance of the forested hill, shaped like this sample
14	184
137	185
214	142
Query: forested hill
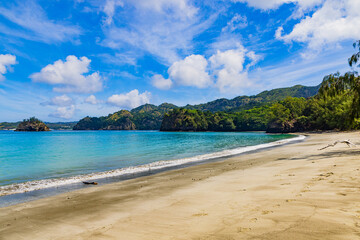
149	117
54	126
248	102
145	117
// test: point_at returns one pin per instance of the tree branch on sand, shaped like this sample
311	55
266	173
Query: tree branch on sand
347	142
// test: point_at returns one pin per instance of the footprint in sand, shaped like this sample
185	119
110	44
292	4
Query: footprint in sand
326	174
285	184
242	229
265	212
199	214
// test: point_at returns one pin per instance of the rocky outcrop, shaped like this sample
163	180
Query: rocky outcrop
32	125
285	127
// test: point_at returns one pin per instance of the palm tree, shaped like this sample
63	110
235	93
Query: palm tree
349	83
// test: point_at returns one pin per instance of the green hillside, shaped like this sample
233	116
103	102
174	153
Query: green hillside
150	117
54	126
145	117
248	102
289	115
8	125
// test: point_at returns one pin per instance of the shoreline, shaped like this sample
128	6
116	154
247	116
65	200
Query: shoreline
37	189
293	191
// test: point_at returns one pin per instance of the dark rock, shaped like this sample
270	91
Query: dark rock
32	125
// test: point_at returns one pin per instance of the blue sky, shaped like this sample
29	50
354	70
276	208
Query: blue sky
66	59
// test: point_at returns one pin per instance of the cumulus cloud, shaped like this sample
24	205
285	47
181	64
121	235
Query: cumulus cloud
64	112
62	101
161	83
190	72
92	100
69	76
333	22
229	70
6	60
129	100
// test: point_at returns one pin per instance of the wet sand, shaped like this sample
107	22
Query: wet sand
290	192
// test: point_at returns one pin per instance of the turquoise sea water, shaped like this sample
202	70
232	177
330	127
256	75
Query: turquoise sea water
31	156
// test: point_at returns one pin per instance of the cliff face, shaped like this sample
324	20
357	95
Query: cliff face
32	126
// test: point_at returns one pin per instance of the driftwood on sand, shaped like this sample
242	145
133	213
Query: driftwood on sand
347	142
93	183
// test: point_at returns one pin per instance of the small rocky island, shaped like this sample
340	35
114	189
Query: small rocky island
32	125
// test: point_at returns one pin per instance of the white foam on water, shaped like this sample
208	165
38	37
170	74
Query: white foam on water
56	182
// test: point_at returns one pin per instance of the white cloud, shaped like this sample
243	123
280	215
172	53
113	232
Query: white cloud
124	58
62	101
162	28
229	71
64	112
161	83
70	76
109	9
92	100
333	22
273	4
237	22
190	72
6	60
253	57
36	25
180	8
129	100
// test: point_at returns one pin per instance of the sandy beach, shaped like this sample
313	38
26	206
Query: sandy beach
294	191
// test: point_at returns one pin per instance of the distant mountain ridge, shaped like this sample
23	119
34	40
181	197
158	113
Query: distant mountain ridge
149	116
247	102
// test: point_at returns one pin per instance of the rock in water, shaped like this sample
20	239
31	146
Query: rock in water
32	125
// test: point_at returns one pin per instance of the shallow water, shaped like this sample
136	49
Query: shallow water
64	155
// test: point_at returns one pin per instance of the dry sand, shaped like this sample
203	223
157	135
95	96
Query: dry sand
290	192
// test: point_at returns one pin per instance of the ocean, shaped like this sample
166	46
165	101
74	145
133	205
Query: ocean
31	161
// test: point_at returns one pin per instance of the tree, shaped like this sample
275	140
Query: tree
349	83
356	56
